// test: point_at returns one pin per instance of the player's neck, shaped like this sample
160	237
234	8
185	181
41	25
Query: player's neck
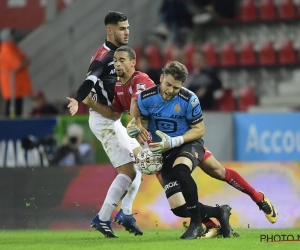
126	78
113	42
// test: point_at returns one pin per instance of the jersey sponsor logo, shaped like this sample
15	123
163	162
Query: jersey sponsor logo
195	102
153	107
147	94
170	185
197	120
120	93
196	110
155	114
177	108
177	116
140	86
166	126
183	96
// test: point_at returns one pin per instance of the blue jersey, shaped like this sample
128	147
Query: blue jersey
173	117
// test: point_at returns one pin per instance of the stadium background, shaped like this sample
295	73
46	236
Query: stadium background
263	146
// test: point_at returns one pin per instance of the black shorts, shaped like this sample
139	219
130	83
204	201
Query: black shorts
193	150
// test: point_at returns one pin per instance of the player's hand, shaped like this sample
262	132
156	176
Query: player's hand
73	105
88	99
167	142
132	129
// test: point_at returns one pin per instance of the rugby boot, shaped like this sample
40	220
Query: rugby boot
128	222
267	207
194	231
224	221
103	227
212	232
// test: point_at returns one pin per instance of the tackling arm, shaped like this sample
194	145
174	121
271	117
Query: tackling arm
106	111
195	133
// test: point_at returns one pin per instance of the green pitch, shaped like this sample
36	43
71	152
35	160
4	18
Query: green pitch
152	239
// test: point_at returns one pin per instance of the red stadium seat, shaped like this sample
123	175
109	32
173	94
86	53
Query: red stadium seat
247	54
228	57
287	10
189	50
267	10
246	98
210	54
248	11
138	52
267	54
287	53
168	52
154	55
227	101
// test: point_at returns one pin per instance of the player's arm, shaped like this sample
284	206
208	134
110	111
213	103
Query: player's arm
137	127
195	133
106	111
94	72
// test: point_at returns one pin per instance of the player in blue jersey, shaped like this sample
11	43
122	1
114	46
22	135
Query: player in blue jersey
173	115
174	118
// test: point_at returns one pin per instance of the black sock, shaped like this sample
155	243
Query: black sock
188	187
208	211
181	211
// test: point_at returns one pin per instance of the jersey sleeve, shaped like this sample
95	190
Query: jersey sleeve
194	111
144	112
141	84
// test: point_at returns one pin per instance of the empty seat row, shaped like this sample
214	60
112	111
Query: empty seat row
267	55
267	10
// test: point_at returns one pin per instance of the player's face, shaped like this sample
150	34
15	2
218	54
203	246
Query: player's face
123	64
169	87
119	33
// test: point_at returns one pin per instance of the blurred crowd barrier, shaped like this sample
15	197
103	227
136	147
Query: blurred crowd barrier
68	198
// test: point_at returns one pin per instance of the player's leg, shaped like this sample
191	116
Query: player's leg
121	156
125	216
181	169
177	202
214	169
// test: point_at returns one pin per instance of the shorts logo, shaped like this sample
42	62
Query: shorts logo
177	108
170	185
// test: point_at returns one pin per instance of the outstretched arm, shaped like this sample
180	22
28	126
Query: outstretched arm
104	110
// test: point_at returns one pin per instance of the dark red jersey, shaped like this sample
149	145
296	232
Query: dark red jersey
125	92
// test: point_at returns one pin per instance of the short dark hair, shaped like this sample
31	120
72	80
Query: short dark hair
177	70
113	17
129	50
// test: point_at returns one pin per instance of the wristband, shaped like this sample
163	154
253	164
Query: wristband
177	141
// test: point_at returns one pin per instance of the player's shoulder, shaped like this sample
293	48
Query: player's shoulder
185	94
103	54
138	75
150	92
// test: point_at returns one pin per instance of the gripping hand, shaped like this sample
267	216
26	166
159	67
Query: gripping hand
167	142
132	129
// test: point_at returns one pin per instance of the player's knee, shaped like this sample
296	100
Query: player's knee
180	211
127	169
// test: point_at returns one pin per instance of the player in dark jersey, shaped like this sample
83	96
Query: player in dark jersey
100	80
173	115
129	85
